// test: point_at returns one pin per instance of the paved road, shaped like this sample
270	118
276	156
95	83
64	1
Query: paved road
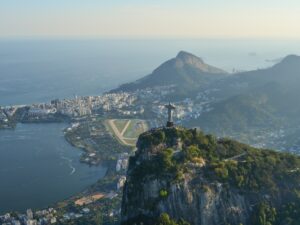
125	128
120	135
117	132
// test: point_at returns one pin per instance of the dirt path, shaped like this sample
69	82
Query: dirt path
236	157
120	134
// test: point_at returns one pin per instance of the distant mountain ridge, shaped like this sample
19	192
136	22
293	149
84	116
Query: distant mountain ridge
251	102
185	70
290	60
243	105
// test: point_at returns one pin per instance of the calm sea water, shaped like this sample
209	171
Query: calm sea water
36	164
38	167
40	70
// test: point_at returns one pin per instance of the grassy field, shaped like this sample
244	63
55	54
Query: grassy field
131	142
135	128
126	131
120	124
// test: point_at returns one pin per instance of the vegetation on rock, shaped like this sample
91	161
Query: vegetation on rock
169	154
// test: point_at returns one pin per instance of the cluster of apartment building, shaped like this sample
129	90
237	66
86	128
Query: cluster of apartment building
189	108
73	216
123	103
122	162
3	117
185	110
154	93
7	116
41	217
82	106
76	107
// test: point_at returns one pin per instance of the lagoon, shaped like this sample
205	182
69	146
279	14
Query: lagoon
38	167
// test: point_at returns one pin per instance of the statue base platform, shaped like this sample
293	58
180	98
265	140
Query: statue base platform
170	124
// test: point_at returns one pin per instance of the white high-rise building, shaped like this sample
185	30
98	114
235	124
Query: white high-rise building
29	214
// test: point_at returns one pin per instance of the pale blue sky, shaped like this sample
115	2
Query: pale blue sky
155	18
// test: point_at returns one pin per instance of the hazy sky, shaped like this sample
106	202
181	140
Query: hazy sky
153	18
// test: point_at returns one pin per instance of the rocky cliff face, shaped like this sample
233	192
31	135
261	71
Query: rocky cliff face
199	179
213	205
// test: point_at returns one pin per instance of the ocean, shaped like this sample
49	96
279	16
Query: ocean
38	70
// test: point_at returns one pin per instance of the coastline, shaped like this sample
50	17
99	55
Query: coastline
87	132
108	185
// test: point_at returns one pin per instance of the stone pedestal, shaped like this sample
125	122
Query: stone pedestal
170	124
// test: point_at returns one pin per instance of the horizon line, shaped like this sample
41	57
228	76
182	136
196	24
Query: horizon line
138	37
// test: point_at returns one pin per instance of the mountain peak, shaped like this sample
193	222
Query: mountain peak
291	58
183	54
185	70
290	61
188	57
184	58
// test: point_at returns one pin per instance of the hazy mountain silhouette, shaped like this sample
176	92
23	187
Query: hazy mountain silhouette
244	102
261	99
183	71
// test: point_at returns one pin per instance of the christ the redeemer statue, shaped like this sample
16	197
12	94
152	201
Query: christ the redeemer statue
170	108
